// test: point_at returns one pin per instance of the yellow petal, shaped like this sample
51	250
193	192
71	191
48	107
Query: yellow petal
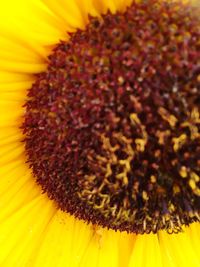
20	233
146	252
177	250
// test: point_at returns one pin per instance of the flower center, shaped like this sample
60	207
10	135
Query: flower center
113	126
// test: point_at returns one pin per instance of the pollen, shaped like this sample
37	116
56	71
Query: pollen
112	128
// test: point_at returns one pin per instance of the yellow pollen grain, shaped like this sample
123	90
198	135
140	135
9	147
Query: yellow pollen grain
195	116
171	207
153	178
162	135
134	119
179	141
176	189
126	163
108	170
183	172
171	119
195	177
145	195
197	191
192	184
191	123
140	144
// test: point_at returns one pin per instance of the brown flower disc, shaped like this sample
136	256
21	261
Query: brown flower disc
112	128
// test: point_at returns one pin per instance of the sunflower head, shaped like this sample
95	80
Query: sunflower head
112	126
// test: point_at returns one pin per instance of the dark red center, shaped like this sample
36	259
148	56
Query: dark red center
112	128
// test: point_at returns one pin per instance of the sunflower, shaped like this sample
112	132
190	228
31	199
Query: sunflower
123	203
